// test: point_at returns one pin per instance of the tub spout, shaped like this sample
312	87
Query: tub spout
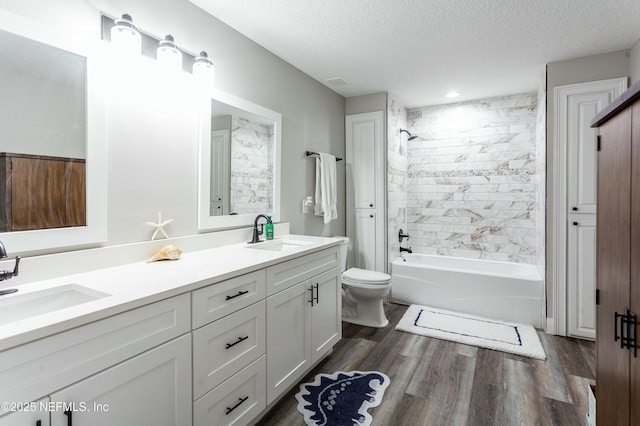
408	250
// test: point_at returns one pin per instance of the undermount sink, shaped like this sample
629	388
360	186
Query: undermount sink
283	244
18	306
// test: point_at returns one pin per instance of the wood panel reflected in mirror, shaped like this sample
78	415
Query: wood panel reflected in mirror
52	149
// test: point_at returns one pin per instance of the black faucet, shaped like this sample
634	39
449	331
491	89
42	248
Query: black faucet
402	235
408	250
5	275
256	233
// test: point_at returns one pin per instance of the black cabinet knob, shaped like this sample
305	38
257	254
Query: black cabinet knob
575	209
575	224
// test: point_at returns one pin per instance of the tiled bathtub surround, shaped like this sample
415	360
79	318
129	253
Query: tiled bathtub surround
397	162
251	166
473	179
541	162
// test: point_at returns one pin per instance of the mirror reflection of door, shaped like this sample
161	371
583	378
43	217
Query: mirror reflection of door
220	150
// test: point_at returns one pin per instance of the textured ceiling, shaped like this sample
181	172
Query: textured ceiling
422	49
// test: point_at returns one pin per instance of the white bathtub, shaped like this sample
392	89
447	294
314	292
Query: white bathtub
501	290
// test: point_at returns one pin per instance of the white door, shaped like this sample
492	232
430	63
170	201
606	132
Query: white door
288	338
366	175
153	388
220	159
581	276
574	175
326	313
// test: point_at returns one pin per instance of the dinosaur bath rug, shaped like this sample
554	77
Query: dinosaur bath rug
341	398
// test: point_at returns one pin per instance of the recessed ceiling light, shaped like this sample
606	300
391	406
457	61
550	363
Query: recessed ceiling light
453	94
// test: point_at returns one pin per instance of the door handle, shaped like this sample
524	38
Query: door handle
69	415
317	293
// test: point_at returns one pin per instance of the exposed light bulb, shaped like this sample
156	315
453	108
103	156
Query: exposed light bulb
452	94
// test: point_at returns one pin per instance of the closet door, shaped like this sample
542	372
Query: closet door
613	260
634	361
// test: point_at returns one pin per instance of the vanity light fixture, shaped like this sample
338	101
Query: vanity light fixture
203	69
452	94
125	36
168	53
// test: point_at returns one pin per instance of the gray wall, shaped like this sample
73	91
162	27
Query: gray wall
366	103
579	70
634	62
152	137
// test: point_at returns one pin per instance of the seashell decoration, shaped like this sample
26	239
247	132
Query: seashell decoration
169	252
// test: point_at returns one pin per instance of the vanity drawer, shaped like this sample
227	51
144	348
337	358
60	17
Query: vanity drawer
218	300
223	347
286	274
35	369
237	401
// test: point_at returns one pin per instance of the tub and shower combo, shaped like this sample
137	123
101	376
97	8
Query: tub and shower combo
502	290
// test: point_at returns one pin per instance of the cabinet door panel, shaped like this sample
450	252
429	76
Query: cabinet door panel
613	259
326	314
288	338
153	388
635	264
365	240
581	276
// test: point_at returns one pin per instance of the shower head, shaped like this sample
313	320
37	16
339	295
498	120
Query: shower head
411	137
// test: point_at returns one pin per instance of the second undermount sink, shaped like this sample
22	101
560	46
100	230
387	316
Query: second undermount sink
280	244
17	306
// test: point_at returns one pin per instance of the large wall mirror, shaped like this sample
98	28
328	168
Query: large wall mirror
239	162
52	153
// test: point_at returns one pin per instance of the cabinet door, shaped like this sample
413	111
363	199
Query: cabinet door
153	388
36	415
288	338
614	264
581	276
363	132
634	361
326	313
365	247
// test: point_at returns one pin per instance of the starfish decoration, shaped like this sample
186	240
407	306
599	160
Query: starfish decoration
159	226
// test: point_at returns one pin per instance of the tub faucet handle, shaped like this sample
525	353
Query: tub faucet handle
401	236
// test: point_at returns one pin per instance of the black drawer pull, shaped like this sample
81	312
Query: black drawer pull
229	410
312	298
240	340
69	415
317	298
39	423
240	293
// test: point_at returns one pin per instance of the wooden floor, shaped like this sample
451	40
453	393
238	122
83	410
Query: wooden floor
436	382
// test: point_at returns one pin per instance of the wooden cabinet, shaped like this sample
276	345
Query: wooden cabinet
40	192
153	388
303	324
618	261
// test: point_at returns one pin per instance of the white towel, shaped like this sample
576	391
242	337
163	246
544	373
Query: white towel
326	188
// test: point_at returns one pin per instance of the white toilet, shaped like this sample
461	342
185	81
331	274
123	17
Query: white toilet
362	293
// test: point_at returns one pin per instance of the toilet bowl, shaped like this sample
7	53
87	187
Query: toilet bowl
363	292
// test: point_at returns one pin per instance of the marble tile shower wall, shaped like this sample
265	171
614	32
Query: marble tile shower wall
251	167
397	163
472	186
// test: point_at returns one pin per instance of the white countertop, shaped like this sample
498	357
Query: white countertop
136	284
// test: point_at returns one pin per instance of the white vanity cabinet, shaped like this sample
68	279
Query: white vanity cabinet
153	388
303	324
34	414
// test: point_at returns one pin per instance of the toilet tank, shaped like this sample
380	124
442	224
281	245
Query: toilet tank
344	250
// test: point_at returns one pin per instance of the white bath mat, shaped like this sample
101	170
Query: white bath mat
503	336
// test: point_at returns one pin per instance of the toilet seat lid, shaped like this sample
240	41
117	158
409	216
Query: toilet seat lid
365	276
